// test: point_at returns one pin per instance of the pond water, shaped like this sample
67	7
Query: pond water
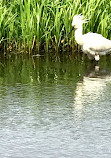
55	107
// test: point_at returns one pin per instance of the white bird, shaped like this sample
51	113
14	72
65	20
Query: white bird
92	44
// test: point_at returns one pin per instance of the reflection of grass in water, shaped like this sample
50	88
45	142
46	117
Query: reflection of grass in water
33	24
38	70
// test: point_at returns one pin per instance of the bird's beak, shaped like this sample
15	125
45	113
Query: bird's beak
62	41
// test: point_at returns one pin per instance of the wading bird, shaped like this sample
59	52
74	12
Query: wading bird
92	44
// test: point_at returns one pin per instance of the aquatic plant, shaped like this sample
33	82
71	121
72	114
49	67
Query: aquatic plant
41	24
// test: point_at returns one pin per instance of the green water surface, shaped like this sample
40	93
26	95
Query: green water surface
54	107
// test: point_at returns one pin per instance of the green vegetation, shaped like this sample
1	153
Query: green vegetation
41	24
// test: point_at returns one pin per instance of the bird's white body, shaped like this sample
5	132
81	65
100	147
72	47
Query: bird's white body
93	44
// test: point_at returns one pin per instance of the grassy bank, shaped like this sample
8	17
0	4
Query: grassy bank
41	24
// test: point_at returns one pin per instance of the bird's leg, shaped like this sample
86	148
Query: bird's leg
97	57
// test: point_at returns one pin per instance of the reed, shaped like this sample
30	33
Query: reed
41	24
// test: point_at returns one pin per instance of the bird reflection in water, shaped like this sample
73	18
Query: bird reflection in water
90	90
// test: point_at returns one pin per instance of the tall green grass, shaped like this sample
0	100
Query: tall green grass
41	24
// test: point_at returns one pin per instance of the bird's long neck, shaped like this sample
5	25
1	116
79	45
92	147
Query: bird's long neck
79	35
